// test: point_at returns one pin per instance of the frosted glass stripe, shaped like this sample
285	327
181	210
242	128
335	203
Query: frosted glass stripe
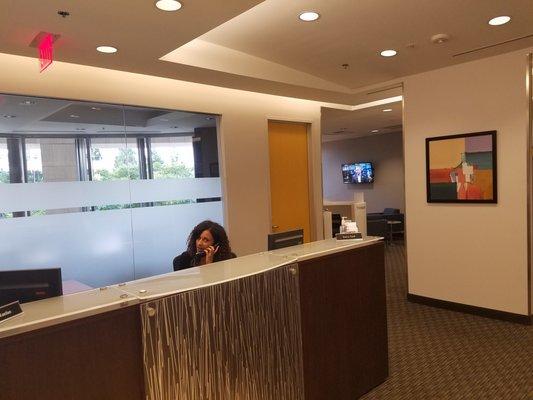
57	195
92	248
160	233
174	189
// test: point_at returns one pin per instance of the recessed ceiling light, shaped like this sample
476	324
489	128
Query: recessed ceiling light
375	131
74	116
168	5
107	49
10	116
389	53
503	19
309	16
387	110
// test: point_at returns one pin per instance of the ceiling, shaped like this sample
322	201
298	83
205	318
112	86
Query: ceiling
43	116
346	124
262	46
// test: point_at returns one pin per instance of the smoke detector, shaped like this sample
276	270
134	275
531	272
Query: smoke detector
440	38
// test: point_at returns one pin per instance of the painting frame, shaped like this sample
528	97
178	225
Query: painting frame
438	190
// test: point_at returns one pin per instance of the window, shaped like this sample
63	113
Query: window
172	157
34	162
58	211
114	159
4	162
51	160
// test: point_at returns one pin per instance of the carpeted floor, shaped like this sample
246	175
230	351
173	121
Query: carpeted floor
440	354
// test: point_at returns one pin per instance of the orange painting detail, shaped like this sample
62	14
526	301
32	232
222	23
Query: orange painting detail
440	175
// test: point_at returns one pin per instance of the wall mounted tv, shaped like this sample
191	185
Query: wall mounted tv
358	172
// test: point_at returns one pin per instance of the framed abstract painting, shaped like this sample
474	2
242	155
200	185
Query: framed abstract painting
462	168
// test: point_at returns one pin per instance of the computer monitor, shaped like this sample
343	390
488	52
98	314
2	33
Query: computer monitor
285	239
30	285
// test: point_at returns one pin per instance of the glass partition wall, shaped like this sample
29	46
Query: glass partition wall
107	193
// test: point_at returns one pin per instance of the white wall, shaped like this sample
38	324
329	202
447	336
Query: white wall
472	254
244	127
386	154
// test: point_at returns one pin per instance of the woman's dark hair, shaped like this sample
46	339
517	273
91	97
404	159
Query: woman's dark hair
220	238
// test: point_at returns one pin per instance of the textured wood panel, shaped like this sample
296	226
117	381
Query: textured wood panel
98	357
344	323
237	340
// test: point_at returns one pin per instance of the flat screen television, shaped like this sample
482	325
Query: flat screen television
359	172
30	285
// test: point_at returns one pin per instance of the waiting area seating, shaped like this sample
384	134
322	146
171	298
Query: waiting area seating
377	224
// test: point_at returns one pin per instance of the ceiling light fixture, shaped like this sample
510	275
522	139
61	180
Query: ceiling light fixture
501	20
309	16
9	116
107	49
168	5
389	53
387	110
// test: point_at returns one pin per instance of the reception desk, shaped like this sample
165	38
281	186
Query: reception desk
305	322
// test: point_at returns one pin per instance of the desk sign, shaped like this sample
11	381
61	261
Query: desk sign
348	236
10	310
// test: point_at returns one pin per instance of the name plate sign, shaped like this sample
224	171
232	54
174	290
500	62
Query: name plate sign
10	310
348	236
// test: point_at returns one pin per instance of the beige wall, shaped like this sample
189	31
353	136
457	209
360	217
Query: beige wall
244	141
472	254
386	154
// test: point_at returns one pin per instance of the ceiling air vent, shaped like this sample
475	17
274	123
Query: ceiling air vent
492	45
393	127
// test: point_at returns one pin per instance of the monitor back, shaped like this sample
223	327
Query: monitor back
285	239
30	285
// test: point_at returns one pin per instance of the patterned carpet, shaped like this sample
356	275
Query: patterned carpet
445	355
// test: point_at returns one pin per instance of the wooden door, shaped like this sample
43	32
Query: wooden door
289	177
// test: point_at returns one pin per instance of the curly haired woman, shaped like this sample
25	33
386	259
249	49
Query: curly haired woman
207	243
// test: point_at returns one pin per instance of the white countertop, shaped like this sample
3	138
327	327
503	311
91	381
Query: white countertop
56	310
207	275
321	248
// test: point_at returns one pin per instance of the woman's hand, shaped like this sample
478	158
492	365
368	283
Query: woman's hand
210	254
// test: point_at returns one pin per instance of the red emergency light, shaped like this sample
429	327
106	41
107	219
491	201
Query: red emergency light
46	51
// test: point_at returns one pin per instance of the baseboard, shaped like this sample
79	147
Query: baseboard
465	308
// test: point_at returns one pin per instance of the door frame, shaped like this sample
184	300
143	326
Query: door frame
314	177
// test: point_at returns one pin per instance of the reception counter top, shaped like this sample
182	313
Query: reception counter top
65	308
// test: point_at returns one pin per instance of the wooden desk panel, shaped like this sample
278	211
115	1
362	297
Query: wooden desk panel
344	323
98	357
